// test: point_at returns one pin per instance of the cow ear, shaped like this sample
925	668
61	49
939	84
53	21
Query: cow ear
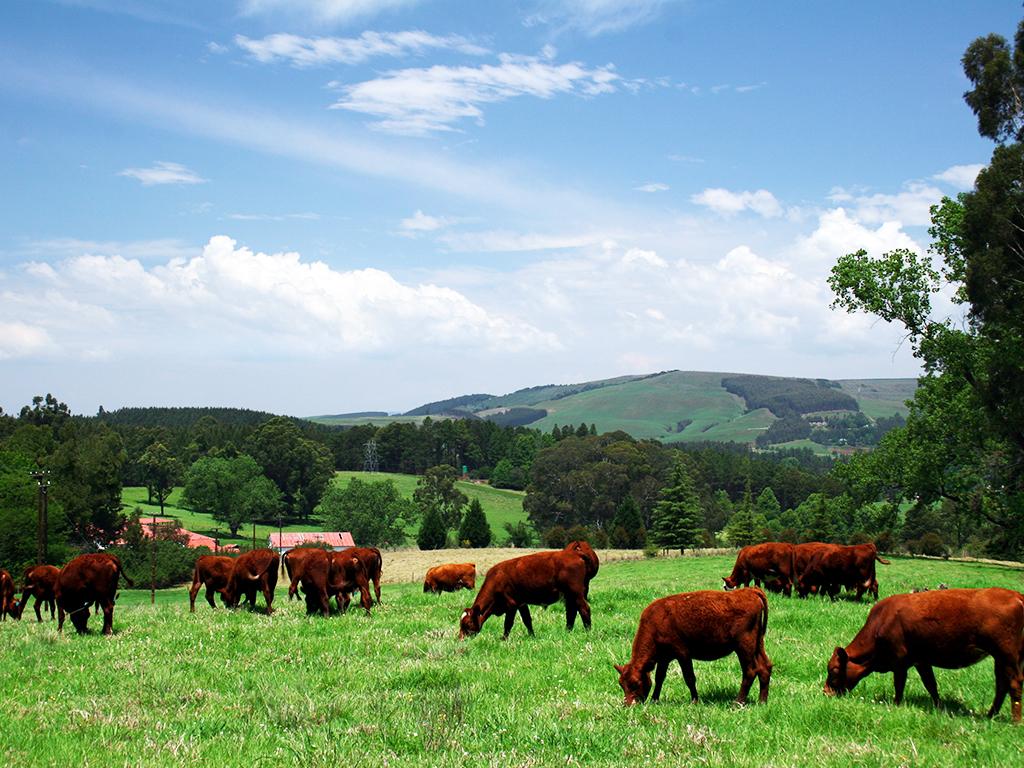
620	668
842	655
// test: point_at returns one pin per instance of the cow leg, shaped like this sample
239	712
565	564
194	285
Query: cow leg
1008	679
210	592
686	664
899	680
510	619
747	666
570	613
584	609
524	613
108	617
53	608
39	615
268	596
659	678
928	678
376	589
60	620
764	675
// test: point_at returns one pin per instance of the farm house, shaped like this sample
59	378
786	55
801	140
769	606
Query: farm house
337	540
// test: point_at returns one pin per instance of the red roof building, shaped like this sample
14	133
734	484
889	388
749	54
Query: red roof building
336	539
194	539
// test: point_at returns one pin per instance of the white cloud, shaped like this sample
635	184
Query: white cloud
229	300
504	241
960	176
726	203
307	216
595	17
419	101
318	51
421	222
910	206
652	186
640	256
317	12
163	173
839	233
145	250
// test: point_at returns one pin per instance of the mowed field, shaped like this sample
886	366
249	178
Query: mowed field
240	688
500	506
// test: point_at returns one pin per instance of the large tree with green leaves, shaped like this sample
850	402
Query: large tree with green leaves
233	491
964	438
436	490
678	516
373	512
301	468
474	527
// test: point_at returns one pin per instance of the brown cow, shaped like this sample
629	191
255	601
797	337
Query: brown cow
771	562
213	572
40	583
584	550
450	577
373	563
951	629
538	579
803	554
324	574
293	561
704	625
251	572
8	605
87	580
837	567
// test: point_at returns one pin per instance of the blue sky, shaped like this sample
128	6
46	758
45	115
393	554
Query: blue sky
318	206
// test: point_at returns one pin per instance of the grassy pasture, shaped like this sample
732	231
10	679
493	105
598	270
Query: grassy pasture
240	688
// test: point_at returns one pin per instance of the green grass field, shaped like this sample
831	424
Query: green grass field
241	688
500	506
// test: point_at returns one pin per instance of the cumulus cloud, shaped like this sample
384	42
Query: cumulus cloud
317	51
652	186
318	12
910	206
420	101
22	340
163	173
726	203
640	256
230	300
960	176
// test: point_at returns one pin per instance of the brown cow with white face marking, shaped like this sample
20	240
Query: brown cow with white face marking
949	629
704	625
450	577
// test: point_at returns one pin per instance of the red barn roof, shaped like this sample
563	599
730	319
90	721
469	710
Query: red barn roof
336	539
194	539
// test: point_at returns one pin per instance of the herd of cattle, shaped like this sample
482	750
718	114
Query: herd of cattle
950	629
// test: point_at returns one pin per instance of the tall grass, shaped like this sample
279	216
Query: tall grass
241	688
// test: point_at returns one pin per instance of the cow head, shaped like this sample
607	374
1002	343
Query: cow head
469	624
15	608
730	583
836	682
635	684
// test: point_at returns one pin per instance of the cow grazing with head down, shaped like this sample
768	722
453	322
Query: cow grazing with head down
84	581
450	577
951	629
704	625
770	563
40	583
252	572
373	564
325	574
213	572
836	567
8	604
540	579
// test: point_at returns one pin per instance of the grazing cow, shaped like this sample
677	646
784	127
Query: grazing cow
584	550
704	625
324	574
40	583
770	563
538	579
87	580
803	554
251	572
450	578
8	605
838	567
372	562
213	572
293	561
951	629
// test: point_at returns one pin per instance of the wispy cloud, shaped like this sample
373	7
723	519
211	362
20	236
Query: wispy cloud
676	158
318	51
163	173
726	203
504	241
319	12
420	101
421	222
594	17
274	216
652	186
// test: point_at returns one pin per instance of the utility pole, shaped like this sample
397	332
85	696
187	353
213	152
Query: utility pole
42	479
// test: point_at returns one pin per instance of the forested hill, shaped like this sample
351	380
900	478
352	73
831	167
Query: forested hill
690	406
182	417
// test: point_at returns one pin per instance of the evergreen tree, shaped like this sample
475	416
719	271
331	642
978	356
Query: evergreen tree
742	529
474	527
433	533
678	515
628	530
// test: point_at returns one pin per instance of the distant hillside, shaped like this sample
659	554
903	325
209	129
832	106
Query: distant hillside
681	406
182	417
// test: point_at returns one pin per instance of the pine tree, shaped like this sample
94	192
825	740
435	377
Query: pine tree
742	529
628	530
678	516
474	527
433	534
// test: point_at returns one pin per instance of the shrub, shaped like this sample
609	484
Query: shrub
931	544
556	537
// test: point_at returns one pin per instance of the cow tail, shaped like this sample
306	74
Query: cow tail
763	618
120	571
881	559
